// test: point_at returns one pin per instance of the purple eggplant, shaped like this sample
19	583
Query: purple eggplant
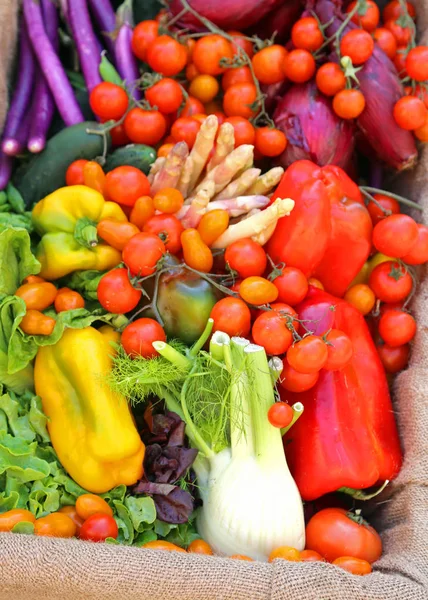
6	163
126	62
88	47
50	19
106	19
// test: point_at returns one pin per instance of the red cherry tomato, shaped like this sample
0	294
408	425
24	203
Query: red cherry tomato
390	282
116	294
138	337
270	331
99	527
142	253
126	184
108	101
339	348
394	359
292	286
293	381
232	316
169	230
397	327
309	355
280	414
246	257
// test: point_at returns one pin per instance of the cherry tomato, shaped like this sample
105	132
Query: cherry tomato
258	290
349	104
246	257
74	173
99	527
315	283
422	132
386	203
212	225
339	348
244	130
270	331
196	253
402	35
333	532
280	415
330	79
126	184
238	100
56	525
70	511
143	36
142	252
239	41
10	518
356	566
370	19
394	359
204	87
395	236
394	10
191	72
118	136
33	279
310	556
67	299
163	545
145	126
309	355
91	504
37	296
399	61
292	286
185	129
116	293
108	101
208	52
232	316
417	63
293	381
166	95
94	177
164	150
236	75
199	547
390	282
192	106
299	66
409	112
286	553
168	200
35	322
268	64
306	34
397	328
142	211
283	310
169	230
166	56
138	337
270	141
418	254
116	234
362	297
385	40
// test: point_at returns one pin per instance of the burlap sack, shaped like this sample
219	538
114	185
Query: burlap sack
41	569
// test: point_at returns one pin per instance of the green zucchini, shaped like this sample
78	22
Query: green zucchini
45	172
133	155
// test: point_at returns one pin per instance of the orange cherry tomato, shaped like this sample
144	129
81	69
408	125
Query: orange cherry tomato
94	177
239	41
204	87
362	297
310	556
163	545
200	547
142	211
116	234
241	557
195	252
37	296
236	75
232	316
91	504
9	519
356	566
212	225
306	34
358	45
71	512
309	355
270	141
192	106
168	200
238	100
185	129
191	72
293	381
164	150
35	322
330	79
286	553
410	112
268	64
67	299
208	52
126	184
55	525
33	279
299	66
385	40
349	104
74	173
244	130
258	290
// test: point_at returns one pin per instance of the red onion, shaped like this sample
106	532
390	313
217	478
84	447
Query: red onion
314	132
278	21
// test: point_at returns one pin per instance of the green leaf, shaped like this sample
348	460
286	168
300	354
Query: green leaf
85	282
142	511
18	425
38	419
17	458
8	220
23	527
145	537
124	523
15	199
8	501
162	528
17	260
44	497
117	493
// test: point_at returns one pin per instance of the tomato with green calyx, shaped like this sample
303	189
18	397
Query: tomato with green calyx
339	348
116	293
271	331
166	95
166	56
309	355
391	282
169	230
142	253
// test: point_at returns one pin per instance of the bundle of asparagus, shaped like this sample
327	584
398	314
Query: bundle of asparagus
215	175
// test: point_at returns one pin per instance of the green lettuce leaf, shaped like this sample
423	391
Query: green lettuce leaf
142	511
85	282
17	260
24	527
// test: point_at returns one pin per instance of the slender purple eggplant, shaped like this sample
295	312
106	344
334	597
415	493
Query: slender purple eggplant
50	19
6	163
106	19
50	64
126	62
21	98
88	47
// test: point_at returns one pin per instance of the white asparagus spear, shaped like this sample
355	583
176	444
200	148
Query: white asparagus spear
198	207
223	173
224	145
202	147
240	205
169	174
266	182
155	168
240	185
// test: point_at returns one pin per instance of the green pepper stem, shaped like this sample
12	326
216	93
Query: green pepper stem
171	354
200	343
89	234
298	409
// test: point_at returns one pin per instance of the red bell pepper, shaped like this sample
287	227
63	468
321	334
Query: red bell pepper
347	435
300	240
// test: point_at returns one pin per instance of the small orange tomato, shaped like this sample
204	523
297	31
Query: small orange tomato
268	64
163	545
9	519
204	87
33	279
243	129
356	566
258	290
236	75
37	296
71	512
212	225
349	104
286	553
362	297
240	41
67	299
35	322
241	557
200	547
142	211
55	525
196	253
191	72
239	99
91	504
164	150
74	173
315	283
168	200
270	141
94	176
116	234
310	556
209	50
200	117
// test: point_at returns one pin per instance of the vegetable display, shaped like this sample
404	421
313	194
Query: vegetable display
204	289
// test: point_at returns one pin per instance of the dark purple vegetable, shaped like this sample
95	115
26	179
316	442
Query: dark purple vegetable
168	464
6	163
88	47
106	20
381	86
278	21
173	505
51	65
50	19
126	62
21	98
314	132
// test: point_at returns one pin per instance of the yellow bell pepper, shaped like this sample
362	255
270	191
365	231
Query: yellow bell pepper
66	220
91	428
376	260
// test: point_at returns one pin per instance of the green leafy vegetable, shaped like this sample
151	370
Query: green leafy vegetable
17	259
